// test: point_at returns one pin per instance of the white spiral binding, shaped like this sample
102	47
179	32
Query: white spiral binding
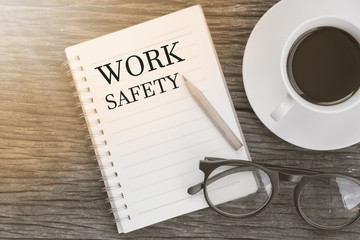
122	218
84	93
123	207
111	187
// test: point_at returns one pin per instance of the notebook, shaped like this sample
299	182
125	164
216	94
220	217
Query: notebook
147	131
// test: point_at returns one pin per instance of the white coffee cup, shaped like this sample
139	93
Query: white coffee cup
292	97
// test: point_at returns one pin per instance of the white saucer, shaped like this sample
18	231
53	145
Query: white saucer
265	89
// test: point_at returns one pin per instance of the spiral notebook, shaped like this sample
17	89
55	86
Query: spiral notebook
147	131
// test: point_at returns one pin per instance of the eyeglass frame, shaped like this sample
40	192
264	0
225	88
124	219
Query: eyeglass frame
276	174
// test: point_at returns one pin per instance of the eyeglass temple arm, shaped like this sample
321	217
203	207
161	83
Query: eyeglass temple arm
288	170
198	187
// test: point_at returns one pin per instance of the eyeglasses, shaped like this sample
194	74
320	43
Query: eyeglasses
240	189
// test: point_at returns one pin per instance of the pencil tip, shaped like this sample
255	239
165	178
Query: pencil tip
185	79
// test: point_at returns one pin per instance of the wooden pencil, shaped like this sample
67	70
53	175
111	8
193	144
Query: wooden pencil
213	115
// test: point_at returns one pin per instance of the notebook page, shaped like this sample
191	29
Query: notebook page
155	131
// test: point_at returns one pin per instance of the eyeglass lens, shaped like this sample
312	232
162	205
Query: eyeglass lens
330	201
238	190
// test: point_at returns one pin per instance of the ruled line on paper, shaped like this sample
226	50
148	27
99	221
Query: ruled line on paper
141	121
163	180
178	200
163	193
162	130
170	203
171	152
176	163
172	32
233	182
134	158
131	127
170	140
186	161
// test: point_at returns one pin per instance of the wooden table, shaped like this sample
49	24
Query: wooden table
49	183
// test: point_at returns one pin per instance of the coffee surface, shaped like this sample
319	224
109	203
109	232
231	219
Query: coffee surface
324	66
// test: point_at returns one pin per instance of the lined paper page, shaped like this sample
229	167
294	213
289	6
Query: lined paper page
156	141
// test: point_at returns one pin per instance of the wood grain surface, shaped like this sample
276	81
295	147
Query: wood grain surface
49	183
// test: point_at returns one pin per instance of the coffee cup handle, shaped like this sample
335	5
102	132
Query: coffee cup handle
283	108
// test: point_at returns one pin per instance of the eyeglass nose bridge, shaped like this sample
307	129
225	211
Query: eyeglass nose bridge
290	177
289	174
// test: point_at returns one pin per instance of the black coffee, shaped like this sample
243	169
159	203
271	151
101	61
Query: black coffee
324	66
